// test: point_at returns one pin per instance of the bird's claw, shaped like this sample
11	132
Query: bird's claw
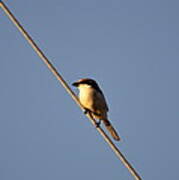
98	124
86	111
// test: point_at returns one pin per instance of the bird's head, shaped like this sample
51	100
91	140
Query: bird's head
85	81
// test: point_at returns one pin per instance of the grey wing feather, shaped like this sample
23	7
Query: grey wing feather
102	102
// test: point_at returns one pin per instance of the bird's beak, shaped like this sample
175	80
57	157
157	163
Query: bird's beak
75	84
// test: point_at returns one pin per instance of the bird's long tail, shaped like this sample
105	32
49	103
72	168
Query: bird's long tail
111	129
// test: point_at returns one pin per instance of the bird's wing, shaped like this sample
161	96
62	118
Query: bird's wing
100	102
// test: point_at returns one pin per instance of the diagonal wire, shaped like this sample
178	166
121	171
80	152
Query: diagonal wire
68	89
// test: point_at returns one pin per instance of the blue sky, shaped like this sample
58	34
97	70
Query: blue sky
131	48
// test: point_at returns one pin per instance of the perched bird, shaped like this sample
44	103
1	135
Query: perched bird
93	100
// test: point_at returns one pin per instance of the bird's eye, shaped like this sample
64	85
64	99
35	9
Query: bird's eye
90	82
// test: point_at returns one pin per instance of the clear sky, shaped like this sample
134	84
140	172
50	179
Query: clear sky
131	48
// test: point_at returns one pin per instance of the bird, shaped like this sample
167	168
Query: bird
92	99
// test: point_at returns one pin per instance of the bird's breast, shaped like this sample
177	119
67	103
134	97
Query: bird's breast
86	96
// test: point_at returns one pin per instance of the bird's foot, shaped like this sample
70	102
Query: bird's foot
98	124
86	111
